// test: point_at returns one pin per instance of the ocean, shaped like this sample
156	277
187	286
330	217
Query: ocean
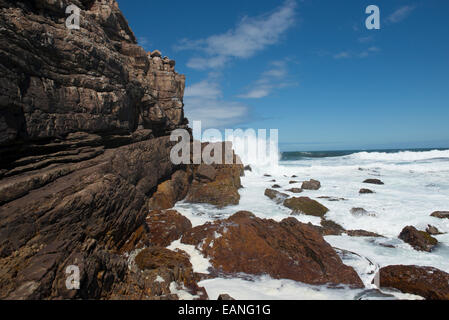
416	184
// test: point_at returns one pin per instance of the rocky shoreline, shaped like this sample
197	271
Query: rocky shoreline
86	177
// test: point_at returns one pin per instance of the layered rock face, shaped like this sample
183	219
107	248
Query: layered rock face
56	82
84	122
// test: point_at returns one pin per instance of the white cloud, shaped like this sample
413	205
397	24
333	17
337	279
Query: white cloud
400	14
275	77
342	55
246	39
363	54
203	102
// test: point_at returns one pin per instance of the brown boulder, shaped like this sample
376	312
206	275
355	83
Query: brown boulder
311	185
306	206
419	240
295	190
285	250
225	297
441	214
427	282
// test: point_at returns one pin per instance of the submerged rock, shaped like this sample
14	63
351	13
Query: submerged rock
441	214
419	240
306	206
427	282
285	250
366	191
295	190
361	212
433	230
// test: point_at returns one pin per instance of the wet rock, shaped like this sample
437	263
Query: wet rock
441	214
433	230
305	205
331	228
267	175
293	182
276	186
427	282
366	191
419	240
294	176
362	233
295	190
285	250
311	185
248	168
373	181
225	297
276	196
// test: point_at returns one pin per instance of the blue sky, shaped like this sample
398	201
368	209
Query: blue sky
309	68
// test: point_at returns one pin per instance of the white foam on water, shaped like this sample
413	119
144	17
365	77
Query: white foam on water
266	288
200	264
416	184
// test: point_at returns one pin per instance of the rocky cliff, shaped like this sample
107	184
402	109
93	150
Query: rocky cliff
84	122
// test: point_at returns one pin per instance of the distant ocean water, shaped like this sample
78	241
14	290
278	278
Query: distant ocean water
301	155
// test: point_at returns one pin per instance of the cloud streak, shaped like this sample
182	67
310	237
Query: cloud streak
204	102
400	14
274	78
251	35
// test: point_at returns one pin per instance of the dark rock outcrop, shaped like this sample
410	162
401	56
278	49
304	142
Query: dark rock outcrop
285	250
419	240
427	282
